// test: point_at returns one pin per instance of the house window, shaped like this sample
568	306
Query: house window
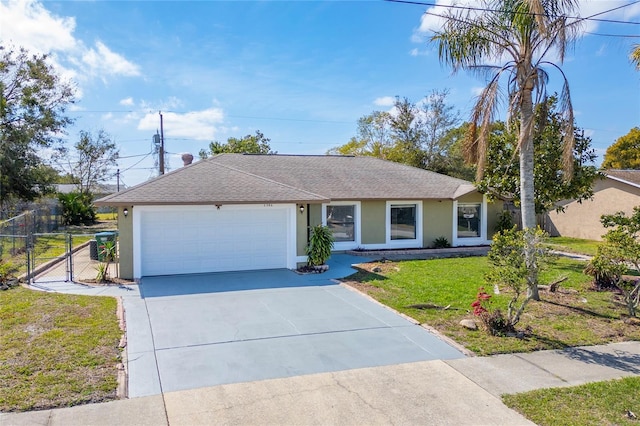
403	222
340	219
469	220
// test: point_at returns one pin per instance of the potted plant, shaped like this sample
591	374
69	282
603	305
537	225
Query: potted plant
319	248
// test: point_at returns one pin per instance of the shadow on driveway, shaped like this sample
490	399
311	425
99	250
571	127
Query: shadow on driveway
178	285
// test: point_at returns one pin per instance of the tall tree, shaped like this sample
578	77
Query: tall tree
501	176
92	160
625	152
520	35
411	133
33	101
250	144
440	119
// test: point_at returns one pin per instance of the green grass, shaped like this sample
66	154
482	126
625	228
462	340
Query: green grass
601	403
46	248
106	216
573	316
56	350
574	245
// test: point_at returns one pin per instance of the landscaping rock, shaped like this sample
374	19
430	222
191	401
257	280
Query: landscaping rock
469	324
377	269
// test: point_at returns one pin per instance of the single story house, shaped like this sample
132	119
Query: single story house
245	211
618	191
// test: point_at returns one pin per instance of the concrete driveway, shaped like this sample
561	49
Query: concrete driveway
193	331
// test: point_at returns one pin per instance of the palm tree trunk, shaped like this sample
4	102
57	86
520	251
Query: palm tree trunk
527	199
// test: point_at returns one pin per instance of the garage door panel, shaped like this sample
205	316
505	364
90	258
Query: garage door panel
209	240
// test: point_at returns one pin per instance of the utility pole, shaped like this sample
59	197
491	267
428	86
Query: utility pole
161	159
118	180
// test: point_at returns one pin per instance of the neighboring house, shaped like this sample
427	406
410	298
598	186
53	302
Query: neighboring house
99	190
618	191
242	212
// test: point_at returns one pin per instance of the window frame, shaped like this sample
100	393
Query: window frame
357	223
404	243
471	241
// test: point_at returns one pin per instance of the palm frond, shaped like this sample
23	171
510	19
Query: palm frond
477	138
635	56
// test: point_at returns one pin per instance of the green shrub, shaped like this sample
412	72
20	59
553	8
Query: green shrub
441	242
512	256
77	208
504	222
320	245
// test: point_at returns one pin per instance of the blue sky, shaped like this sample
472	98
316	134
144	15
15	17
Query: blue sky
302	72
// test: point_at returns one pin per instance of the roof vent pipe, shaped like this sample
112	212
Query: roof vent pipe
187	158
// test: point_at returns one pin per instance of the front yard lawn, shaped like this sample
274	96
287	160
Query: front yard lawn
601	403
56	350
439	293
574	245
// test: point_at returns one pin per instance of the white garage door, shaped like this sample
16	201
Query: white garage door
205	239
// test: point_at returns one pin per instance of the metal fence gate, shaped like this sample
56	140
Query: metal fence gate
50	259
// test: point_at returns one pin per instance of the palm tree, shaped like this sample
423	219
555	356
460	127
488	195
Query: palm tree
635	56
519	36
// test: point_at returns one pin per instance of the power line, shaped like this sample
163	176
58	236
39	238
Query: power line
613	35
482	9
289	119
133	156
135	164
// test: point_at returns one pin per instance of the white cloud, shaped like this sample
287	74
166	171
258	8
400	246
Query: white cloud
27	23
385	101
171	103
419	52
127	101
431	21
477	91
103	61
200	125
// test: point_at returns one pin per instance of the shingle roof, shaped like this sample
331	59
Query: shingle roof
240	178
628	176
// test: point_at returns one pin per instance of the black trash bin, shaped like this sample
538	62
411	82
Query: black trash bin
93	250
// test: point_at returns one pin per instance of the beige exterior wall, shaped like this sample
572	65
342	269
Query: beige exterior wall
583	220
301	231
494	209
125	243
437	221
474	197
315	214
373	222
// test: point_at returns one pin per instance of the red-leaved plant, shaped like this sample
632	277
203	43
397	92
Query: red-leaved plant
481	303
494	322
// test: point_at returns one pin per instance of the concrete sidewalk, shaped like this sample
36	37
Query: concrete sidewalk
456	392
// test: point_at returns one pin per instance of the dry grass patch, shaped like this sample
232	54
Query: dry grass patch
57	350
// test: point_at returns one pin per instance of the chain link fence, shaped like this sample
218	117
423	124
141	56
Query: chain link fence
22	232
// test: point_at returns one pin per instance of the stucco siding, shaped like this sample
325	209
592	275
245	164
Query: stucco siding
437	221
582	220
125	243
494	210
301	230
315	214
373	222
